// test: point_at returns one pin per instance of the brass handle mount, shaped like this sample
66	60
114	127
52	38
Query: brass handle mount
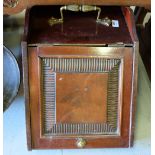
84	8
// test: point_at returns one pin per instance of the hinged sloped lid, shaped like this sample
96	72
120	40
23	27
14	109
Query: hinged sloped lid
77	28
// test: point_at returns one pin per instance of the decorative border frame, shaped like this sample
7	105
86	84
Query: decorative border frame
50	66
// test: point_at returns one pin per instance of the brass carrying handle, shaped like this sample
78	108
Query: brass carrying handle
84	8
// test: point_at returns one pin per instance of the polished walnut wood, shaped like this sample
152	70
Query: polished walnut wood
66	33
23	4
80	93
78	101
34	87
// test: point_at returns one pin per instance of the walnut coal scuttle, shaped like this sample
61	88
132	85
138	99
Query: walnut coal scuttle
80	76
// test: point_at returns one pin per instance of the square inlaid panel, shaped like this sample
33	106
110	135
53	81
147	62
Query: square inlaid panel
80	96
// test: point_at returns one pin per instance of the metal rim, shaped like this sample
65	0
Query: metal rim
18	78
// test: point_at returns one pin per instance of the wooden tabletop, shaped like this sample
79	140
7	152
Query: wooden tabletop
15	6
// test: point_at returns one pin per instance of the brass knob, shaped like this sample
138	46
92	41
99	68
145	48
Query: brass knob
81	143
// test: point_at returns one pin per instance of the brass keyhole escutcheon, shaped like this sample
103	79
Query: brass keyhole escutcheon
81	143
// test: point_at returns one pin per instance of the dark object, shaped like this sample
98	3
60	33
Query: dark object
144	35
11	77
80	79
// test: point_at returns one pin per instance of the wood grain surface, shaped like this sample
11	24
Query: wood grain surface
78	97
23	4
77	28
95	141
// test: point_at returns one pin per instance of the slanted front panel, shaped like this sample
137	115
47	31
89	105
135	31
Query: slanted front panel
80	96
55	122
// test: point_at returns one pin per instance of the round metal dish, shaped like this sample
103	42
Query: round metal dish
11	78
